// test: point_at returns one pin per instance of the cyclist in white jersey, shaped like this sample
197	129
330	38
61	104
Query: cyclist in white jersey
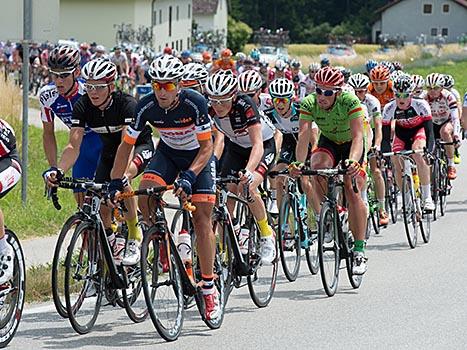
449	85
419	86
308	85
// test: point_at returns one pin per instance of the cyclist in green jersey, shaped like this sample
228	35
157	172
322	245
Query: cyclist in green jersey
339	115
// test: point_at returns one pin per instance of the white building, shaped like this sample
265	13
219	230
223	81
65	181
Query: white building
211	15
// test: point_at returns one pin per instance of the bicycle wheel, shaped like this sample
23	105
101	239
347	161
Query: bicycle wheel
289	238
133	296
224	249
328	249
355	280
391	203
409	211
443	188
84	278
425	228
162	285
262	282
58	263
12	293
434	187
311	252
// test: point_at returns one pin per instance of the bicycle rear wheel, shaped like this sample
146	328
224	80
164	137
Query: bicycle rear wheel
328	249
84	278
311	253
224	249
425	228
443	188
409	211
162	285
355	280
391	203
434	187
289	238
12	293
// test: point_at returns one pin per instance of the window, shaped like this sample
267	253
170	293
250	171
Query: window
181	44
189	10
170	22
434	31
188	42
160	16
176	45
444	32
446	8
160	48
178	11
172	45
427	9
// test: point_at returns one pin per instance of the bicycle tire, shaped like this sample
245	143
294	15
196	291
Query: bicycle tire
355	280
152	263
425	229
224	248
390	195
59	260
311	253
327	218
287	217
409	212
13	295
435	187
87	232
130	296
443	187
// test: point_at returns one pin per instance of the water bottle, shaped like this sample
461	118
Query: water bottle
243	239
416	180
304	213
184	250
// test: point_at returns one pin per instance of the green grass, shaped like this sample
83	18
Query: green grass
34	103
317	49
38	217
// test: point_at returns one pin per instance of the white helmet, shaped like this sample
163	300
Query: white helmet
195	71
418	81
281	87
166	67
280	65
99	69
314	67
359	81
434	80
249	81
221	83
396	74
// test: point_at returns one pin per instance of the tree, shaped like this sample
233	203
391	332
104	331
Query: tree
238	34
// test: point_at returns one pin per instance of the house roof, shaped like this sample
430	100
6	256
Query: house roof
205	6
463	3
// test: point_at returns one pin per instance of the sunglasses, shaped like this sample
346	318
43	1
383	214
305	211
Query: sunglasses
95	87
61	75
216	101
326	93
279	100
359	91
402	94
418	91
170	86
434	87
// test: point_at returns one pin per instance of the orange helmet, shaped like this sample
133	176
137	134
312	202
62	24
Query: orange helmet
206	55
226	53
379	73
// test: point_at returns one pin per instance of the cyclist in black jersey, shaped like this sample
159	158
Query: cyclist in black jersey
251	150
108	113
184	156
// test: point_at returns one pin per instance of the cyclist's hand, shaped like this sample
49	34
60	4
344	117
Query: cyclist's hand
457	143
295	169
246	177
183	185
52	176
115	187
353	167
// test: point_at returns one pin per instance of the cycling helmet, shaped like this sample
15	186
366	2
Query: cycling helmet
418	81
64	57
280	65
397	65
370	64
99	69
240	56
395	74
404	83
100	48
325	62
359	81
329	76
281	87
295	64
185	54
206	55
379	73
314	67
222	83
195	71
84	46
448	81
387	64
255	54
226	53
166	67
263	63
249	81
167	50
434	80
345	72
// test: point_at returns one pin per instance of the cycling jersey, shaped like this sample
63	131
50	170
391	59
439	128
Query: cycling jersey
307	86
10	168
443	109
288	125
220	64
179	128
456	94
385	97
373	107
7	139
265	102
333	123
243	114
465	100
272	74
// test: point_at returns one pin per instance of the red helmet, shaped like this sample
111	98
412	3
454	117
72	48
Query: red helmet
329	77
167	50
226	53
207	55
380	73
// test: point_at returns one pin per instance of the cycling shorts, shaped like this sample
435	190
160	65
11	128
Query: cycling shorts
386	141
337	152
287	152
437	129
89	153
10	173
404	138
167	163
237	157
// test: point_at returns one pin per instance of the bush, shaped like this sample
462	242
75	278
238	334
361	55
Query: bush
317	35
238	34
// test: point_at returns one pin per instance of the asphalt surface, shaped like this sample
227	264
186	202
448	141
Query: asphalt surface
409	299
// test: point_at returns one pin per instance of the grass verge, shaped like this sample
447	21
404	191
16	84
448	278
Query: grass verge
39	283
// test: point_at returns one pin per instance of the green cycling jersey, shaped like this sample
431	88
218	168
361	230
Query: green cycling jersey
333	123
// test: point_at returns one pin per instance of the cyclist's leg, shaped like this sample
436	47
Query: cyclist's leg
397	146
103	175
419	143
286	156
447	132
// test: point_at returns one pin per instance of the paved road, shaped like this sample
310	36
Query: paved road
409	299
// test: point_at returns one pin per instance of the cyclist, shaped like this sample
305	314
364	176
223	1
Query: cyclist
108	113
251	150
250	83
240	58
308	85
339	116
100	53
195	77
297	74
10	173
445	116
184	150
413	130
359	82
449	85
280	70
120	61
419	85
185	57
57	100
224	63
369	65
325	62
84	53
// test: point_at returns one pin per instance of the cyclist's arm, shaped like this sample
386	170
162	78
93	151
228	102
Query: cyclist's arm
378	132
304	139
71	152
356	130
430	137
455	121
49	142
203	156
257	150
122	158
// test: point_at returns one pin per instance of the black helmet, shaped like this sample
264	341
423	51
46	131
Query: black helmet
64	57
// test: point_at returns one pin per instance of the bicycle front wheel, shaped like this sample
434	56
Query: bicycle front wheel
12	293
328	249
289	238
162	285
409	211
